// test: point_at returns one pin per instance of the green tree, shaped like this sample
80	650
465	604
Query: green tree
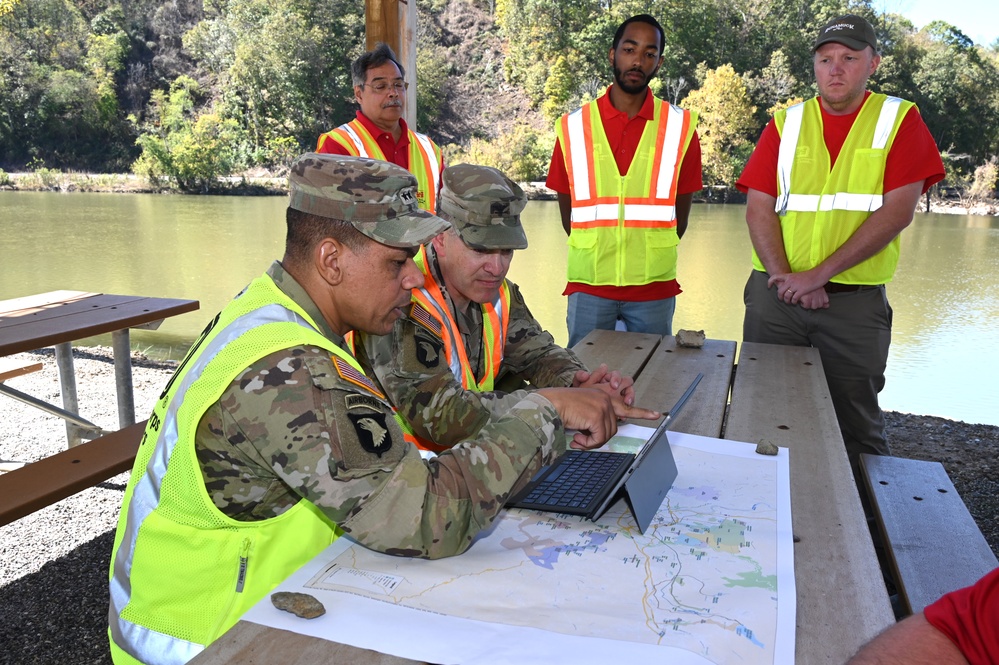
955	87
191	150
725	123
522	153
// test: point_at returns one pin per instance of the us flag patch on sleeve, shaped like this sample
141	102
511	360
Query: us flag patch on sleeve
348	373
420	314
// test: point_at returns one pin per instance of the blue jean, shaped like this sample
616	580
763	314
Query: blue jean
586	313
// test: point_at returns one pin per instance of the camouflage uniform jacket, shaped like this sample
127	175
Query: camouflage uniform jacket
431	398
292	427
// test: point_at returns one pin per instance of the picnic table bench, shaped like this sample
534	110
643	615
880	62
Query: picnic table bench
933	544
57	319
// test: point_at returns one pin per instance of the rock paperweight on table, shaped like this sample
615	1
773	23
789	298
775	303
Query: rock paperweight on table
299	604
690	338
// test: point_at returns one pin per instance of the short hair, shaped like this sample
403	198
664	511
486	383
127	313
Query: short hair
376	57
641	18
306	230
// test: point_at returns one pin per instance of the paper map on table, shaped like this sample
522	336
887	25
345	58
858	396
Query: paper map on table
711	580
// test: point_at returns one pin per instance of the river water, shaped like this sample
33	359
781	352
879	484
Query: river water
943	362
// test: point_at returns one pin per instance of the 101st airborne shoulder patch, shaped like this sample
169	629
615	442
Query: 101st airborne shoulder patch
372	431
350	374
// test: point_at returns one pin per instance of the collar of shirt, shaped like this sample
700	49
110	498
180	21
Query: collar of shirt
835	128
624	133
291	288
397	152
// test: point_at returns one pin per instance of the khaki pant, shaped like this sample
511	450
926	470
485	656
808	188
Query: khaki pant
852	337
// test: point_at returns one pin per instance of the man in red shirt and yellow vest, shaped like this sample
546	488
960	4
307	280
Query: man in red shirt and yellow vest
470	343
831	184
625	168
379	130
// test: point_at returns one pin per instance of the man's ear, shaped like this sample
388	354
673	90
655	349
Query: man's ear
328	257
438	242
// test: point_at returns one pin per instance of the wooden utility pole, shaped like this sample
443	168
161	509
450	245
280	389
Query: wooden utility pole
394	22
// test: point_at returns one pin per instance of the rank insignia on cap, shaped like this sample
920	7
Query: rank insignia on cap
429	349
350	374
420	315
372	432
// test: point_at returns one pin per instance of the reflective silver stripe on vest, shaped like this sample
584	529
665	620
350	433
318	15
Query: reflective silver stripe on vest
785	155
577	141
633	212
455	363
886	120
667	155
435	166
140	642
840	200
358	143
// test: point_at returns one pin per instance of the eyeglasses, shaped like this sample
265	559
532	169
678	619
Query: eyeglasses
381	87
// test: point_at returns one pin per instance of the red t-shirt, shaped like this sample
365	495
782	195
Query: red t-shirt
397	153
913	155
969	617
623	135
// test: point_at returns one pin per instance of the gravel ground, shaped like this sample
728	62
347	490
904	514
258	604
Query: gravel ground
53	583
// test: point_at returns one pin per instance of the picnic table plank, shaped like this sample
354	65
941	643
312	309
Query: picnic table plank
252	644
780	394
626	352
27	329
671	369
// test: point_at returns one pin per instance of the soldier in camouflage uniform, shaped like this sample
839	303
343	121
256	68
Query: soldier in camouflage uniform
469	331
270	440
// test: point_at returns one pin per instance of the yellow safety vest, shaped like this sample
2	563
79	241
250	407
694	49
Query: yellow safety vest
182	572
425	160
495	323
624	227
821	207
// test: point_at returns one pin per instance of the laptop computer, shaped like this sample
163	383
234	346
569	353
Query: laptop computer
587	482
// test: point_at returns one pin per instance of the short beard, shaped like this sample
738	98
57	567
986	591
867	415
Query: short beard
629	88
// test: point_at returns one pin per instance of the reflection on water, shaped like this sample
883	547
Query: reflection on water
945	295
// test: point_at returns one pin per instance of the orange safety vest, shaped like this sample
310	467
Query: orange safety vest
624	227
425	160
495	323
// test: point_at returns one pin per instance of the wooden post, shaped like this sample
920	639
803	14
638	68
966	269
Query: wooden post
394	22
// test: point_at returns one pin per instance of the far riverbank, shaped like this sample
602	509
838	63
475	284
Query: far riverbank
268	184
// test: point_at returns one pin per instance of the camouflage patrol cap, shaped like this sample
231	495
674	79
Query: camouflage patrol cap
377	197
483	206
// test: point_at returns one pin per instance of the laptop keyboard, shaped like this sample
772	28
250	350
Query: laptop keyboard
578	478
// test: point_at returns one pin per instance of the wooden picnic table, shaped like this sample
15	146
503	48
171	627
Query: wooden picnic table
58	318
777	393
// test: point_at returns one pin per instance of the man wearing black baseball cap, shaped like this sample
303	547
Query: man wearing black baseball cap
831	184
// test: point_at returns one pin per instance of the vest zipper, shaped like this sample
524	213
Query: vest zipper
244	557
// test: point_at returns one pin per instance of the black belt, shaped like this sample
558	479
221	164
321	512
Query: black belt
833	287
